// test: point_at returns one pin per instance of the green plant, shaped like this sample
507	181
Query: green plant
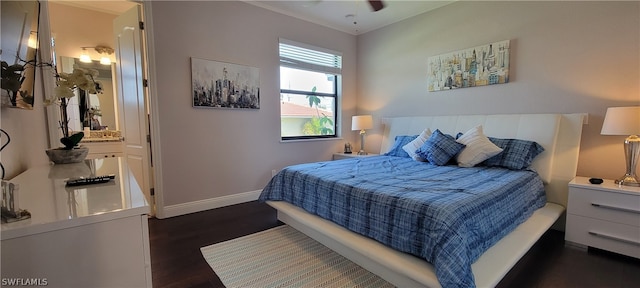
313	99
71	141
12	81
319	124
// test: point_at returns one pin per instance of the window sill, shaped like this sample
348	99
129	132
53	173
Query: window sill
308	140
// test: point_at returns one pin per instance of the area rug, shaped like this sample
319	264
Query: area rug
284	257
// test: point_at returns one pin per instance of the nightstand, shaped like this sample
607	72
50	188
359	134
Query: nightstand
604	216
338	156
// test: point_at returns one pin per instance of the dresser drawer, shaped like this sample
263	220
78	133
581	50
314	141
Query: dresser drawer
619	238
604	205
104	155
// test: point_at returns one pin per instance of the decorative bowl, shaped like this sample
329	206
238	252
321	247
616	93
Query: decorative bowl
64	156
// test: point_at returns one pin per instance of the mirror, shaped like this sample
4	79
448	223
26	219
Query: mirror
71	35
19	51
97	111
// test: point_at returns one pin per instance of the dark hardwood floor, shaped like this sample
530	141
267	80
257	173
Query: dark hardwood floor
176	260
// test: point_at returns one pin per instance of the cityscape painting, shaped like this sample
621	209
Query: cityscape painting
477	66
224	85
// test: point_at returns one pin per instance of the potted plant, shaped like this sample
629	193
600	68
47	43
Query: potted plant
82	81
12	78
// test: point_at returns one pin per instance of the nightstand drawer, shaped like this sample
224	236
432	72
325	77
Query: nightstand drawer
619	238
338	156
610	206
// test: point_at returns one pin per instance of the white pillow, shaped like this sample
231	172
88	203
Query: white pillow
478	148
412	146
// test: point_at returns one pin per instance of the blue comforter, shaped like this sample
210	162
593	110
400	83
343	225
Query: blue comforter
444	214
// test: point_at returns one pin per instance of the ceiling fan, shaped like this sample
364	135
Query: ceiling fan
376	5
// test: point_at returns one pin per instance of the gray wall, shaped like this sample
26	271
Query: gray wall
210	153
27	130
566	57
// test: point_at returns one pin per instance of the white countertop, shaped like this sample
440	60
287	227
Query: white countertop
53	206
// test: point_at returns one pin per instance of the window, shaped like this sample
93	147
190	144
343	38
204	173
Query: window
309	90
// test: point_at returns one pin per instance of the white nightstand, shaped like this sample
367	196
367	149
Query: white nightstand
338	156
605	216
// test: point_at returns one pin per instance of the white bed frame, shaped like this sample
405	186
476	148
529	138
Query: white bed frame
559	134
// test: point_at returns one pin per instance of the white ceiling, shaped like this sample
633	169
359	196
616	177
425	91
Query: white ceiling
350	16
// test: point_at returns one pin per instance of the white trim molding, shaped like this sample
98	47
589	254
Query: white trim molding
207	204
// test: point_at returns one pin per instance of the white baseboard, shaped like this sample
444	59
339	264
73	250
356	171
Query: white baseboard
211	203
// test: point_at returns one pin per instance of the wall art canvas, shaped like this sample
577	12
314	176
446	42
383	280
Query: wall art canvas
224	85
477	66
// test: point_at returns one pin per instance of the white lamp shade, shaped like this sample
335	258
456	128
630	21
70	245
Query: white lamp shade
361	122
621	121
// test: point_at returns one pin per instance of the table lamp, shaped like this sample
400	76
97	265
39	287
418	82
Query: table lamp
361	123
625	121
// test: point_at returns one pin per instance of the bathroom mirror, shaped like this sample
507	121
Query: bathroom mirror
96	110
19	24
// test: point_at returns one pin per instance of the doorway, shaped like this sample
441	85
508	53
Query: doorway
80	27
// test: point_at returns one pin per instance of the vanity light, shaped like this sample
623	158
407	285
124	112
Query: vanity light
104	59
84	57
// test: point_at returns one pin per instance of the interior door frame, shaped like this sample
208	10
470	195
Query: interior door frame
154	130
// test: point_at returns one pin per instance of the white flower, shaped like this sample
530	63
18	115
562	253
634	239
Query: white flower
83	79
64	92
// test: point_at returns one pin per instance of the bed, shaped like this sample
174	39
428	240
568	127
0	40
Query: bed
396	256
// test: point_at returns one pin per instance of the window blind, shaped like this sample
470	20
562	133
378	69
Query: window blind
307	57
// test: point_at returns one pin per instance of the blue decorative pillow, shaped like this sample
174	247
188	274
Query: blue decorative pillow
440	148
396	149
517	154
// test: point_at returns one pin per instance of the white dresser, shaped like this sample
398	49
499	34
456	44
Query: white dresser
605	216
84	236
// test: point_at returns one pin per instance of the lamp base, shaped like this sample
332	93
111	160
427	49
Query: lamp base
631	155
628	180
361	152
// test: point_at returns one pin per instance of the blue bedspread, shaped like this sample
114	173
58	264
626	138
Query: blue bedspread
444	214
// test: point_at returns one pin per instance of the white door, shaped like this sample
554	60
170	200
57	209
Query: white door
133	112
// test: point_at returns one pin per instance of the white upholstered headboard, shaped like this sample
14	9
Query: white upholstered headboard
559	134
